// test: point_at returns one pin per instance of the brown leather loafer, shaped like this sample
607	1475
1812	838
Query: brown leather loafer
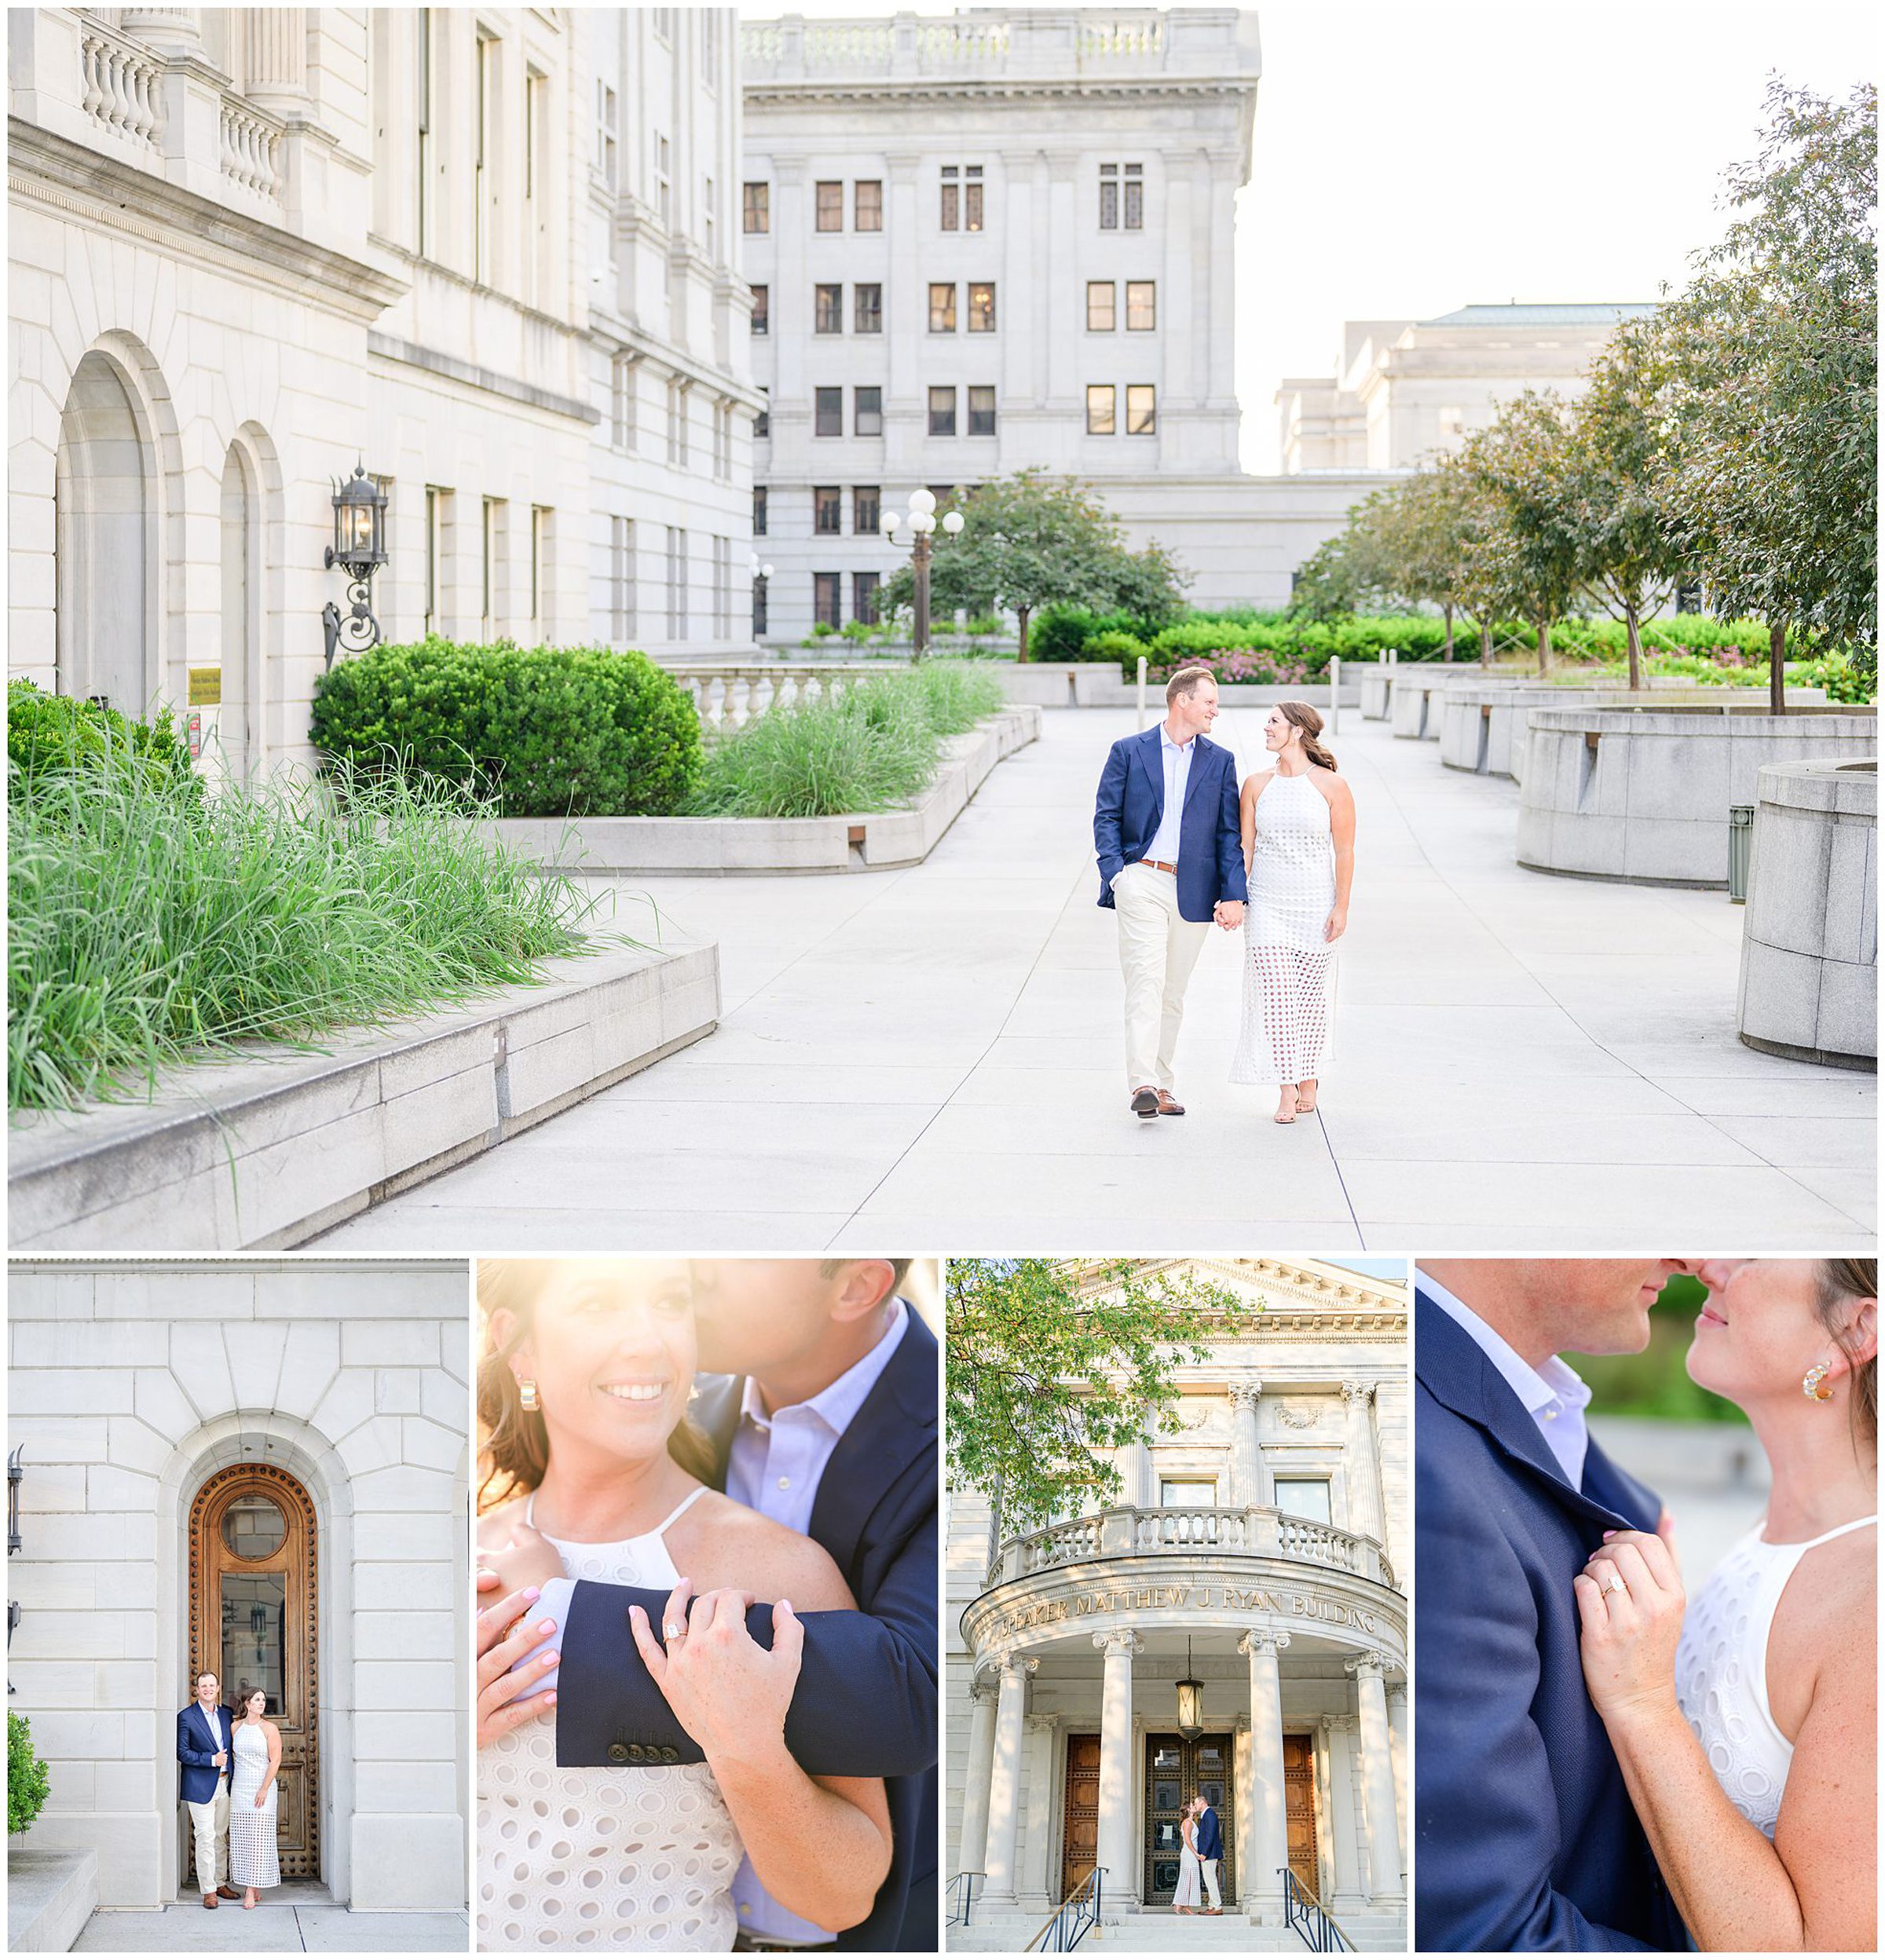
209	1901
1145	1101
227	1892
1168	1105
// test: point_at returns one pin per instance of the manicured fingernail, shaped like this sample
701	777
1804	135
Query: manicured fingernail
787	1604
636	1613
550	1699
1608	1536
532	1592
546	1628
547	1661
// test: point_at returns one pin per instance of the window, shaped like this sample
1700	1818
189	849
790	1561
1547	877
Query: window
1142	409
1112	208
484	158
621	401
762	317
710	49
540	567
437	503
1186	1492
536	177
867	411
1135	197
663	24
942	411
827	598
1141	305
491	581
950	217
1099	409
981	310
828	411
762	422
867	509
945	494
759	510
605	132
864	597
827	512
830	207
677	583
755	207
1304	1497
972	199
961	198
662	196
867	309
867	205
723	441
1102	306
943	309
677	423
1109	197
621	578
981	412
829	311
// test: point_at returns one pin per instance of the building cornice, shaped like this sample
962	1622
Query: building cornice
486	380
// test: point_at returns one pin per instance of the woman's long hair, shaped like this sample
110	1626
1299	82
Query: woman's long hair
1307	723
1841	1280
516	1448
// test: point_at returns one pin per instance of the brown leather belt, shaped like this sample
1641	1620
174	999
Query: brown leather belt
1157	865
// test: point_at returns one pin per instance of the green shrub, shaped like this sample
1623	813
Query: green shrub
1125	647
47	735
1062	632
545	731
148	922
1845	676
27	1785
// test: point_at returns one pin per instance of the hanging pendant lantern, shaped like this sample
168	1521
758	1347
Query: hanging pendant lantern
1190	1700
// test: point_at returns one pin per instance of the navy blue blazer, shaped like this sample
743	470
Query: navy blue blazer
1526	1840
196	1746
1211	1839
1131	801
867	1701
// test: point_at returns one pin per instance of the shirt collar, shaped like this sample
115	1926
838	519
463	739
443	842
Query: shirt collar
1555	1386
1178	748
836	1406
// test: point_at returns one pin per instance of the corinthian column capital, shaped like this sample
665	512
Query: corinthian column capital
1263	1639
1246	1392
1121	1639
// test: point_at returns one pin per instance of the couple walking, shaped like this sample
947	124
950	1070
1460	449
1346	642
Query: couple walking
1606	1763
1182	847
1198	1861
230	1762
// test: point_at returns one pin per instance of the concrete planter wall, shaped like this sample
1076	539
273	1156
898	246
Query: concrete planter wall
1417	697
1642	793
50	1894
1809	953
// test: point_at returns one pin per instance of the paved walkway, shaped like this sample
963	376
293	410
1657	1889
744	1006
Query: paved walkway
293	1918
932	1058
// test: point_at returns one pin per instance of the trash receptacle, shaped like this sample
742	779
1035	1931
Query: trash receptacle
1740	849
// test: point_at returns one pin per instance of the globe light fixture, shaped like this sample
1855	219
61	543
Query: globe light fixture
920	521
360	549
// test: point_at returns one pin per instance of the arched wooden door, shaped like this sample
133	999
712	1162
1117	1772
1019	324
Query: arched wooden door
252	1621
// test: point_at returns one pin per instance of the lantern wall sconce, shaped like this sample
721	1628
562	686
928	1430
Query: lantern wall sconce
360	549
1190	1700
15	1472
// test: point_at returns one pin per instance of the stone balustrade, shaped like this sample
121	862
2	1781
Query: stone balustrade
729	694
250	148
122	85
1128	1531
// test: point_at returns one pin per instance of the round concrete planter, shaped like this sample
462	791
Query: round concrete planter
1809	953
1642	793
1417	695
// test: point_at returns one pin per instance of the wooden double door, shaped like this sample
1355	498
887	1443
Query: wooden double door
253	1624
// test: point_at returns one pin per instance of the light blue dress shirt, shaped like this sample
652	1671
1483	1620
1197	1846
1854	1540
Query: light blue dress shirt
1177	758
1554	1397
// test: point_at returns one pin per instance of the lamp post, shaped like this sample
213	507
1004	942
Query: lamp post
919	520
760	574
359	549
15	1471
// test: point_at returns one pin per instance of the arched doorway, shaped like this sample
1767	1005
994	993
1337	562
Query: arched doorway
104	596
238	722
253	1621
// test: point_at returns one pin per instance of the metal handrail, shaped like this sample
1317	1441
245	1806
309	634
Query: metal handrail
1078	1915
961	1891
1312	1925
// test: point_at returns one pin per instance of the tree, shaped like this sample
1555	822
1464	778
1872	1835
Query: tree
1428	539
1030	540
1048	1377
1772	429
1357	569
1526	537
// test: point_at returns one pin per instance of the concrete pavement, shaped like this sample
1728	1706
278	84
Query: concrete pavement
932	1058
289	1918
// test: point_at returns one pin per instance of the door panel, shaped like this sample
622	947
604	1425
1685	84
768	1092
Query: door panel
1176	1771
1299	1811
1080	1834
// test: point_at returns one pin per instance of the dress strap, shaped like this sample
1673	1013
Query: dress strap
530	1510
1839	1531
698	1491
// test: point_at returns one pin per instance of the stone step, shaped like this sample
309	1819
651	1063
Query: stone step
1164	1932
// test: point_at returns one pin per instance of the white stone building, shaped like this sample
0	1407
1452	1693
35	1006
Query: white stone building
260	1468
486	253
1404	388
1259	1547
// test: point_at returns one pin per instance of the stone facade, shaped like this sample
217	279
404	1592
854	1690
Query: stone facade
130	1387
1260	1540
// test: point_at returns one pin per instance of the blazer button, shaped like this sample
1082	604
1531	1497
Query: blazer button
637	1754
618	1752
670	1755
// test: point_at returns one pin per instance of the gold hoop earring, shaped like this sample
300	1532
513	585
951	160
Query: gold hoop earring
1813	1387
526	1395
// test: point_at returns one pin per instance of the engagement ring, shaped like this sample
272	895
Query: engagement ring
1615	1583
673	1630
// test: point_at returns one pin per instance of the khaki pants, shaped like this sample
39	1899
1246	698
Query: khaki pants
1209	1867
1158	950
212	1822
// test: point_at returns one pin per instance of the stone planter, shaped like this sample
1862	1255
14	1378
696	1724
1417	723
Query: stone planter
1810	951
1100	684
1642	793
1417	695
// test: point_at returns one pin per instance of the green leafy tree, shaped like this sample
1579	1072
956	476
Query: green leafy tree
27	1785
1772	430
1358	569
1049	1374
1031	540
1529	547
1428	538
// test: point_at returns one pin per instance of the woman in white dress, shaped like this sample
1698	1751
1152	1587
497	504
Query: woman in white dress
583	1390
1298	822
1748	1730
1190	1895
252	1778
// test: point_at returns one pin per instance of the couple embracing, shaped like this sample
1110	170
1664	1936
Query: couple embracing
1198	1860
1182	846
708	1647
1603	1762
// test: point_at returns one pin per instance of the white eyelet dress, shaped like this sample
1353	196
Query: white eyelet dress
1289	968
602	1860
1720	1670
252	1858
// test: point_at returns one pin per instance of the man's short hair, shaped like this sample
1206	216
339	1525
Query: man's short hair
1185	682
899	1270
207	1675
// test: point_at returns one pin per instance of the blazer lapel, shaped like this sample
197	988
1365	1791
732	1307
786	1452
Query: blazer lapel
1151	759
897	1423
1200	749
207	1726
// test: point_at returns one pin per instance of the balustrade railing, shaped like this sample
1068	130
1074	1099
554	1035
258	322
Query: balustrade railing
251	149
121	83
726	695
1163	1529
959	1895
1129	1531
1305	1917
1078	1915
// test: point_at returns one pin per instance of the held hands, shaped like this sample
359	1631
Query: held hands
727	1691
220	1758
1228	913
1630	1601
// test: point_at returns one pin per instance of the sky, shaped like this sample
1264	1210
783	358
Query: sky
1407	160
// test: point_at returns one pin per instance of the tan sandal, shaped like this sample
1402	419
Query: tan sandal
1306	1108
1281	1116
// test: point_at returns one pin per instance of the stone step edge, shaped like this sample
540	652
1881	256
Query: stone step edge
264	1152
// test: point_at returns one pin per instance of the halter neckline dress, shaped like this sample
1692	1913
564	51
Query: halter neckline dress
1289	968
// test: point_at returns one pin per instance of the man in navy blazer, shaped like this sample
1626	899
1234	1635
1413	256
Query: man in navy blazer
1171	864
1526	1839
866	1701
205	1736
1210	1849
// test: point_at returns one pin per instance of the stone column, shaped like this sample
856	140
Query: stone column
971	1846
1118	1855
1037	1887
1364	1468
275	59
1247	1452
1005	1784
1397	1735
1340	1730
1376	1776
171	30
1267	1837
